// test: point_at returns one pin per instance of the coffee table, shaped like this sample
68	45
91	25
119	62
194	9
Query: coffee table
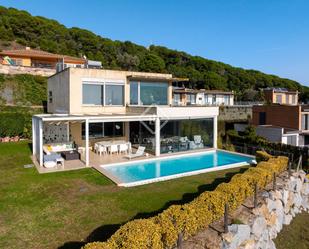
70	155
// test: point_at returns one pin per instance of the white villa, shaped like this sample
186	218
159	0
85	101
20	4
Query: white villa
97	116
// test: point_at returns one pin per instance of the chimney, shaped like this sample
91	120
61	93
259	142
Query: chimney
28	48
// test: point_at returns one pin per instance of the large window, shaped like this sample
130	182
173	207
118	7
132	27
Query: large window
148	93
226	99
134	86
92	94
114	94
182	135
101	93
100	130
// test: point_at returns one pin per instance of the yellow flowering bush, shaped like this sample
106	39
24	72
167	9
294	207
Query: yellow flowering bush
162	230
262	156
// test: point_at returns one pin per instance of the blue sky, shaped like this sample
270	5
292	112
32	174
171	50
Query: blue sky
267	35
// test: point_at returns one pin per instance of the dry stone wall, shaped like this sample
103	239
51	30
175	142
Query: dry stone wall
258	227
46	72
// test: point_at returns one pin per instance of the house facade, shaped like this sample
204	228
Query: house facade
291	121
186	96
280	96
29	57
90	106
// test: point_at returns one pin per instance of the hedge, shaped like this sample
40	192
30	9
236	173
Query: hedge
162	230
11	124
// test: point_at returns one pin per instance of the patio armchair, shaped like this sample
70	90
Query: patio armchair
198	141
140	152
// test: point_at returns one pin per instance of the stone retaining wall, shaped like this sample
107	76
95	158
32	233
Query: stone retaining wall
257	227
6	69
235	113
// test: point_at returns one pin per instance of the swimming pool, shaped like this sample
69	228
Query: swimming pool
152	170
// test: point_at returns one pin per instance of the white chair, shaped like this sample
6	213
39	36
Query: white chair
198	141
96	148
138	153
123	148
102	150
113	149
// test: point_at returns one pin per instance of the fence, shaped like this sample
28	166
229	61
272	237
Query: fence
293	156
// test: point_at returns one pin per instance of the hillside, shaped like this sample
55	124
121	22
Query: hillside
39	32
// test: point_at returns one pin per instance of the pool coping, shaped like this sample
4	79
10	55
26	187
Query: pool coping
174	176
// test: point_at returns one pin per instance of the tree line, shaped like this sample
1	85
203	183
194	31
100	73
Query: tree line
51	36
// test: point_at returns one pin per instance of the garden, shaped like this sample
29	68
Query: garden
68	209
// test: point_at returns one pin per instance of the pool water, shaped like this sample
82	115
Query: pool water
146	171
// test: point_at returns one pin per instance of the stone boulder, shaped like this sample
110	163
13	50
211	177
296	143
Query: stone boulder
237	235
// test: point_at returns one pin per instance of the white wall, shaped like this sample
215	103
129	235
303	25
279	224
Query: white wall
272	134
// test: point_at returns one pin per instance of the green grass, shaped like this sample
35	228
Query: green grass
60	210
296	235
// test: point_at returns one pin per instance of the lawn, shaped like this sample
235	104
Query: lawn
296	235
61	210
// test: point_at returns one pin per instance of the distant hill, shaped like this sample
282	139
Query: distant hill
19	27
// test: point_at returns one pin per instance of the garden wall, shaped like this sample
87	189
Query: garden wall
236	113
46	72
260	225
184	221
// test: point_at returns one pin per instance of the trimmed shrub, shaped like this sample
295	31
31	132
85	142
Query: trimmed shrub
11	124
262	156
162	230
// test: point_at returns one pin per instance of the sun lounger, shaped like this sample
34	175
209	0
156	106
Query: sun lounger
138	153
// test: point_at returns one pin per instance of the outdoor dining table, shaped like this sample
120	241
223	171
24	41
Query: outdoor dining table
108	144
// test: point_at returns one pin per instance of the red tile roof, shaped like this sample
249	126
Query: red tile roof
35	53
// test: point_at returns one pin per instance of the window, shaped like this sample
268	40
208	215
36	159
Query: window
101	93
153	93
114	94
279	99
305	121
147	93
262	118
191	99
214	99
226	99
293	99
50	97
17	62
134	93
93	94
100	130
176	98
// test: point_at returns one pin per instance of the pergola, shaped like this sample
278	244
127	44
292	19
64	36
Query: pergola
38	120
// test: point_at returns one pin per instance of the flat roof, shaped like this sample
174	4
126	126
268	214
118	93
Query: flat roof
95	117
151	76
190	90
285	130
280	90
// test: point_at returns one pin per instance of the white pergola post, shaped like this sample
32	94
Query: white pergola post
215	131
157	136
34	135
87	142
41	141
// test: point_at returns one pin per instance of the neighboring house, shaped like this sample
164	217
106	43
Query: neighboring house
291	121
87	106
280	96
37	58
186	96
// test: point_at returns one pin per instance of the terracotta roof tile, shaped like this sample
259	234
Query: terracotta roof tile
39	54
